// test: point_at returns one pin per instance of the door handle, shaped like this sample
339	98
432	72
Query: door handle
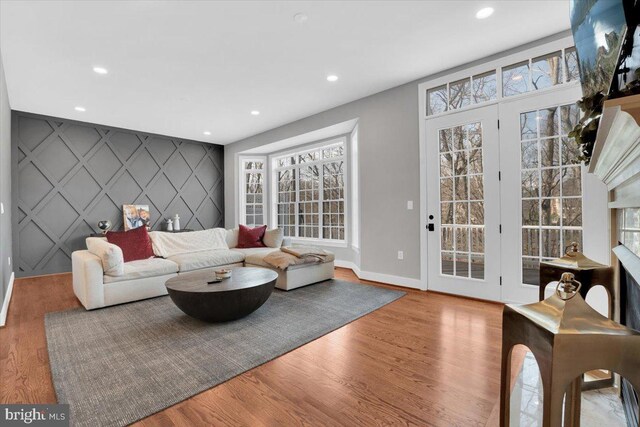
431	227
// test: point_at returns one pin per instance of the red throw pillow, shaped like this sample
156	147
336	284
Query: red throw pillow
135	244
251	237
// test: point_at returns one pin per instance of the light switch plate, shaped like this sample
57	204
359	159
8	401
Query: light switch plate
1	208
400	255
409	204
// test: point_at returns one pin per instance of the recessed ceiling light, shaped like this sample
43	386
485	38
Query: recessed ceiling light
485	12
206	132
300	18
255	113
332	77
81	109
100	70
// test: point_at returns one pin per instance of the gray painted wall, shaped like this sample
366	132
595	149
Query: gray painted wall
389	169
68	175
5	187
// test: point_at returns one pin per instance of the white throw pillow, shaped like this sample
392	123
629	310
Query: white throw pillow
169	244
110	255
232	237
273	238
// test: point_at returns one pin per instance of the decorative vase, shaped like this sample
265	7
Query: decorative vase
176	222
169	225
104	225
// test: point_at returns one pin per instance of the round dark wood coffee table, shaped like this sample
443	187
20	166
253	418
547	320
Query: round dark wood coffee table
243	293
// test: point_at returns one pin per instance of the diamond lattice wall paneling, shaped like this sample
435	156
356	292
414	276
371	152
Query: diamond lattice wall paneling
69	175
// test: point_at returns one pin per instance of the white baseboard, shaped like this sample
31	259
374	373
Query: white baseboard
347	264
391	279
7	300
380	277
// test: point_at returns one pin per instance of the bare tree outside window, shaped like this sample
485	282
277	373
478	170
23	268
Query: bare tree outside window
484	87
286	203
551	186
437	100
462	201
459	94
572	71
254	193
546	71
515	79
311	193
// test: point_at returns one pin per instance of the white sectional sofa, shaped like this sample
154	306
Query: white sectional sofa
99	282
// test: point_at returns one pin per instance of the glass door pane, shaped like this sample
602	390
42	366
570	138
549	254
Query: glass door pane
462	201
551	186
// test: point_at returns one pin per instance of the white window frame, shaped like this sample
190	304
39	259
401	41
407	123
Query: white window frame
496	66
354	201
273	193
242	187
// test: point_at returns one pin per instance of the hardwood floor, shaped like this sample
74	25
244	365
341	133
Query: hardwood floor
425	359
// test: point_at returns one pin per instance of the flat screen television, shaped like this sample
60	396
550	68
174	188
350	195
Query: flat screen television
599	28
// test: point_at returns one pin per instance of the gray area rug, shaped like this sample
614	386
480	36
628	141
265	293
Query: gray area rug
119	364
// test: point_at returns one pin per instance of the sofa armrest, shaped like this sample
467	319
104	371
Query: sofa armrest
88	282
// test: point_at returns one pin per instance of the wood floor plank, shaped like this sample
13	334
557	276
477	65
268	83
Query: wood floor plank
427	359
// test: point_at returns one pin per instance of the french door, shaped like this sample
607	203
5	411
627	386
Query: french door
548	198
501	199
463	203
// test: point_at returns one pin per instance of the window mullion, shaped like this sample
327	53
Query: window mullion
297	204
320	200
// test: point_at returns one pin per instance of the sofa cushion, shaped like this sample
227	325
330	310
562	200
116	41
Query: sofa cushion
255	256
273	238
170	244
232	237
206	259
135	244
110	255
251	237
144	268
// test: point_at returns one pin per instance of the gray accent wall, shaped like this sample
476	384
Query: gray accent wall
5	187
68	175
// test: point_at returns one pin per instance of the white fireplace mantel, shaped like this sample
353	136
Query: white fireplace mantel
616	153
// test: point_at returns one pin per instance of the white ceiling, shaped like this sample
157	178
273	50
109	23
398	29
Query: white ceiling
180	68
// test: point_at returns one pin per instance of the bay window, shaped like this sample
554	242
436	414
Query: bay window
309	192
302	191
